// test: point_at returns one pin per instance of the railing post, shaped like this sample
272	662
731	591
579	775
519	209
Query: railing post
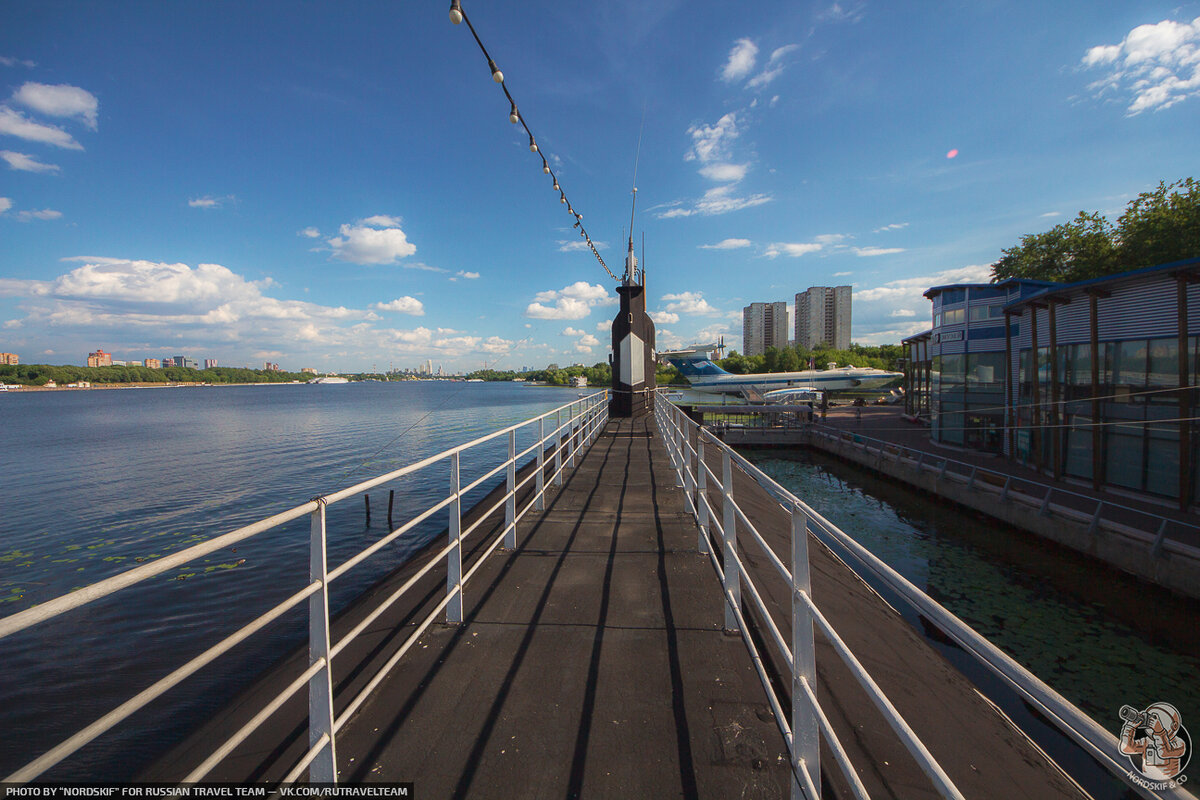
806	734
971	482
733	582
571	436
454	611
689	475
678	438
510	488
323	768
701	493
1096	519
1156	548
1004	494
1044	511
539	503
558	446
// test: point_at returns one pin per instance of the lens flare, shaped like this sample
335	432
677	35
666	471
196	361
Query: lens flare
952	154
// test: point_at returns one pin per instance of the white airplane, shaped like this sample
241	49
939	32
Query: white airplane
695	364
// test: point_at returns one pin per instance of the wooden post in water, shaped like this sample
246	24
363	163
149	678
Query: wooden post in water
367	503
391	500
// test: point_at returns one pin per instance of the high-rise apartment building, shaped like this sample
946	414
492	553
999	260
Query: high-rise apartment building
9	358
763	325
99	359
152	363
209	363
823	317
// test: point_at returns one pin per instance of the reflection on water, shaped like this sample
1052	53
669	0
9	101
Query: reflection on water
101	481
1097	636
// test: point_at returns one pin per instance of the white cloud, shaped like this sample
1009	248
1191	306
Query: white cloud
1049	214
9	61
374	240
573	332
828	239
912	289
895	226
718	200
725	173
570	246
842	274
774	68
14	123
5	204
571	302
741	61
688	303
209	201
470	276
310	233
1155	66
589	341
876	251
903	312
840	13
403	305
604	325
793	249
664	317
59	100
727	244
711	142
45	213
26	163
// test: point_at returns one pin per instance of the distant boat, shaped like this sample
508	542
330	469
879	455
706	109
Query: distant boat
329	379
474	380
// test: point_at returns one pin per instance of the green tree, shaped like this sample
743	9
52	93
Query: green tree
1077	250
1161	226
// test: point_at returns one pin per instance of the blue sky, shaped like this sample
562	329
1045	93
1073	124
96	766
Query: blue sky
337	185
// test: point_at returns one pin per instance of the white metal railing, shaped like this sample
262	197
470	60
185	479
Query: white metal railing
692	449
1049	499
584	420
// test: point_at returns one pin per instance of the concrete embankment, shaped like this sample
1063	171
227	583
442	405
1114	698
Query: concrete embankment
1152	556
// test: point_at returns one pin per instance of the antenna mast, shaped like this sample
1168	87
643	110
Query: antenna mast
631	273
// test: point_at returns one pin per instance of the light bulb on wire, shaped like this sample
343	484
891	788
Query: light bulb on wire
455	12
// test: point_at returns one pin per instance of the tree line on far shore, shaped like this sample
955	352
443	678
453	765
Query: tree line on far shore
41	374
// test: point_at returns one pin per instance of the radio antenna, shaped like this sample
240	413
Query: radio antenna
630	258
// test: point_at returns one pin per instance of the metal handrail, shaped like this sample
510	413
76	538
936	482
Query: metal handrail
1048	490
678	432
585	417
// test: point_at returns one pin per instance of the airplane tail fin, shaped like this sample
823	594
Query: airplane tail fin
692	368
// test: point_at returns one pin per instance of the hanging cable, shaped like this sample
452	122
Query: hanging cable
515	116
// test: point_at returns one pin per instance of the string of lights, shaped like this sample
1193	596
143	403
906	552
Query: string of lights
517	117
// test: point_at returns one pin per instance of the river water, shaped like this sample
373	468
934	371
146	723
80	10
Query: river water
1096	635
95	481
98	481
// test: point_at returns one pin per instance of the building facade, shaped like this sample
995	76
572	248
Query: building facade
1098	378
152	363
209	363
99	359
9	359
823	317
763	325
184	361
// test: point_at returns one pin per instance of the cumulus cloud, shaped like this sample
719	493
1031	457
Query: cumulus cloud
568	331
774	68
44	214
912	289
895	226
711	142
309	233
903	312
1155	66
589	341
5	204
403	305
470	276
725	173
793	249
9	61
59	100
740	62
14	123
571	245
876	251
718	200
727	244
26	163
571	302
209	201
664	317
374	240
688	303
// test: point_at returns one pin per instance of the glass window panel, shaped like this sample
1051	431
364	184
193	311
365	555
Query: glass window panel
1164	363
953	296
1129	368
1079	447
1124	461
985	370
1162	464
953	317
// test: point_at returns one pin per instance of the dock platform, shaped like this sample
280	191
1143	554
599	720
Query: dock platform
592	662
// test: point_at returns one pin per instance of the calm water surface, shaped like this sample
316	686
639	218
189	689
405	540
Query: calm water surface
96	482
1099	637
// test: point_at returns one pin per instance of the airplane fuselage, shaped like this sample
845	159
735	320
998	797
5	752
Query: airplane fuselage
828	380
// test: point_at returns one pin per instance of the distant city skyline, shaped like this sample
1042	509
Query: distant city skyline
320	187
